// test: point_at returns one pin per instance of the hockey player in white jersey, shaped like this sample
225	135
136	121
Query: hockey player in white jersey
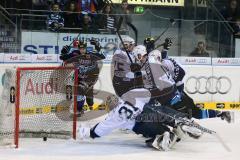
132	100
131	105
186	104
122	79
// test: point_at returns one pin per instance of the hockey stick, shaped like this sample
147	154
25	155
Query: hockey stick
171	23
181	120
181	34
120	37
134	30
75	38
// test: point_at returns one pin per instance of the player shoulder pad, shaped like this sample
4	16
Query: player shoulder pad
153	60
168	64
120	52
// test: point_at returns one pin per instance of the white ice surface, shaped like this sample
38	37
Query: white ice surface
120	146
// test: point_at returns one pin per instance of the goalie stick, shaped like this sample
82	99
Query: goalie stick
181	120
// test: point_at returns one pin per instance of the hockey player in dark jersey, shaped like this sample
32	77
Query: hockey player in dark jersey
88	66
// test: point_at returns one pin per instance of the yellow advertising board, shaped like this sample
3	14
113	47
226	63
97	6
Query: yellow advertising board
154	2
219	105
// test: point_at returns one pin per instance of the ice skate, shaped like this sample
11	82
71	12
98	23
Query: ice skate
227	116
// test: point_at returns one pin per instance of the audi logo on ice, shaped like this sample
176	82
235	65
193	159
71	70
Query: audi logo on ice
211	85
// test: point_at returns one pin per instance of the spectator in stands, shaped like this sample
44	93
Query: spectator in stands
199	51
107	20
87	25
127	17
88	6
100	4
40	5
70	16
231	12
237	27
55	19
61	3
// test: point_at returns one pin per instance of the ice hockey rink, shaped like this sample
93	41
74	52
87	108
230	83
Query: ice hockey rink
122	146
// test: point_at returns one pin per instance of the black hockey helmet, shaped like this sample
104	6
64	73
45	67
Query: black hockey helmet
82	44
149	43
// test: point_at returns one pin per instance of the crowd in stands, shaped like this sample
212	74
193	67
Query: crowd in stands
90	15
95	16
231	13
102	13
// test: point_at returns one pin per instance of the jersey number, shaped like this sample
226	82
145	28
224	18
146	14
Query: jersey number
127	111
118	66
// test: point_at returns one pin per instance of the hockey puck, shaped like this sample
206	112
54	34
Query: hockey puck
44	138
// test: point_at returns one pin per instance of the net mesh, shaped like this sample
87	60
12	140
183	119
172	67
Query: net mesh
46	98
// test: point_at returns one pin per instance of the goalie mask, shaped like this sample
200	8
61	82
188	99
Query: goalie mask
140	53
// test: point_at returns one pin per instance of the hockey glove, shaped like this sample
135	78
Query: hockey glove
65	49
135	67
167	44
138	79
64	53
96	44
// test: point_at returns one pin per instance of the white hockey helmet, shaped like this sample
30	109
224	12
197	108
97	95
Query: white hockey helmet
128	40
155	56
128	43
139	52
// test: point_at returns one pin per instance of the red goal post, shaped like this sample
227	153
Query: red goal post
44	100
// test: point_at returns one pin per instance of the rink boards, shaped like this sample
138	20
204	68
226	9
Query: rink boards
213	86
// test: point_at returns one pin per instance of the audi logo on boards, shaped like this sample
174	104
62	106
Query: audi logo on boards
211	85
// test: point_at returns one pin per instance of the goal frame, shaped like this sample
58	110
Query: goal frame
17	103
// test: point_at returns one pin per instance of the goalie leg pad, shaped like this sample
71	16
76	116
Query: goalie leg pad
165	141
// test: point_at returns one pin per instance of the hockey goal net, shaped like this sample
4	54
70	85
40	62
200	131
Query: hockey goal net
38	102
